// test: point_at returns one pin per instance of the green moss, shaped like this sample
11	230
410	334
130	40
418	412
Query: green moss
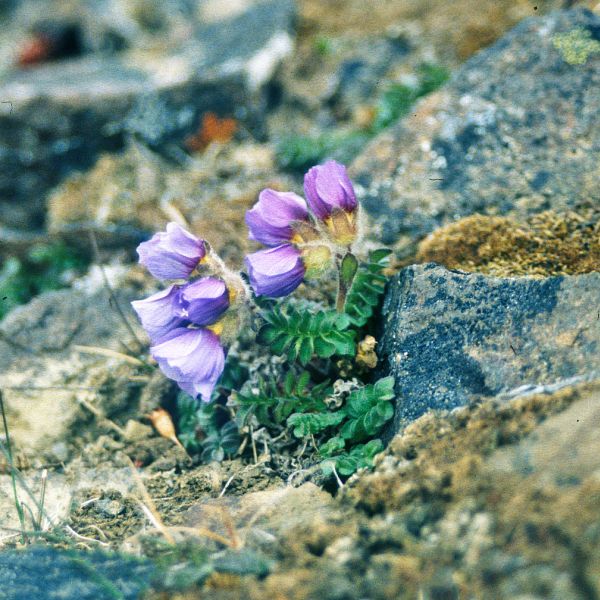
300	152
322	45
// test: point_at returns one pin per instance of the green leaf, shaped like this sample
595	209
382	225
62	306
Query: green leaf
324	348
302	382
377	417
332	446
372	448
378	256
348	269
300	335
353	430
367	288
368	409
347	465
311	423
306	350
359	457
289	383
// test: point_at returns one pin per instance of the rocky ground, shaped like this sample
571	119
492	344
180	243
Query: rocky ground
118	121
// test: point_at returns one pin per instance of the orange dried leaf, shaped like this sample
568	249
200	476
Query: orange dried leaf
212	129
163	423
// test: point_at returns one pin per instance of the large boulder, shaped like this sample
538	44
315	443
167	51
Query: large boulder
450	337
515	132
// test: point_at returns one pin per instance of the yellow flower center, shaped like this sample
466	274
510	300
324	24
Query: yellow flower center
216	328
342	226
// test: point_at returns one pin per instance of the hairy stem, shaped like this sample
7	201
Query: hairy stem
342	292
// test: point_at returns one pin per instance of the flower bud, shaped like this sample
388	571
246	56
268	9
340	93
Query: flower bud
172	254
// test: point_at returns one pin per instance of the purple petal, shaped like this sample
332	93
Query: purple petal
270	219
204	300
328	188
275	272
171	254
194	358
160	313
319	208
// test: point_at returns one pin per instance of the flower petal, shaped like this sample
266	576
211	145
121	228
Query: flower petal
172	254
194	358
161	312
328	188
204	300
275	272
270	219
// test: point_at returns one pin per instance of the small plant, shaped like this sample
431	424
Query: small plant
397	99
45	267
195	320
297	152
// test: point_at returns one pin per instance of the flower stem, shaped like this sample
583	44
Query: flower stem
340	302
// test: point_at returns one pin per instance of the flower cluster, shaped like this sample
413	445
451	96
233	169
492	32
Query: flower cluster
187	322
184	321
301	245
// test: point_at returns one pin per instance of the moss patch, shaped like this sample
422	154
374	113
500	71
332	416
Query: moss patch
549	243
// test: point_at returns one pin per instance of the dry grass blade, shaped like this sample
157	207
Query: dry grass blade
83	538
101	417
13	470
111	292
149	508
163	423
110	353
40	516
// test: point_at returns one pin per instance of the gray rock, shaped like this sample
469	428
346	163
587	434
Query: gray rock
52	322
44	378
63	114
449	336
45	573
516	131
564	450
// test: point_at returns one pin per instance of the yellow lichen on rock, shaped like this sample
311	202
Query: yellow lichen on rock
550	243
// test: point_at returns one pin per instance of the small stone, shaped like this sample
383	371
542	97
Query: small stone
109	508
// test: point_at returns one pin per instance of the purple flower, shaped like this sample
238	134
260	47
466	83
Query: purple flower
328	190
160	313
277	271
272	218
204	301
172	254
194	358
